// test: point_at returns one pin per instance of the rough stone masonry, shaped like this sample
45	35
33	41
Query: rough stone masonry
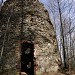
37	28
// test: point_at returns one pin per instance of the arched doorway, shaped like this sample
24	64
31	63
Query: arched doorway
27	58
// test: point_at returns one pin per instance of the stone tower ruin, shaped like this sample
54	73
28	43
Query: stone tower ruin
25	25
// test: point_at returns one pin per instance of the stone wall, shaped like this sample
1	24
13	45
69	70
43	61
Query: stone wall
36	28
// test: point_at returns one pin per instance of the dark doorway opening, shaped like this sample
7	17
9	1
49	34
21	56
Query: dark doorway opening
27	58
